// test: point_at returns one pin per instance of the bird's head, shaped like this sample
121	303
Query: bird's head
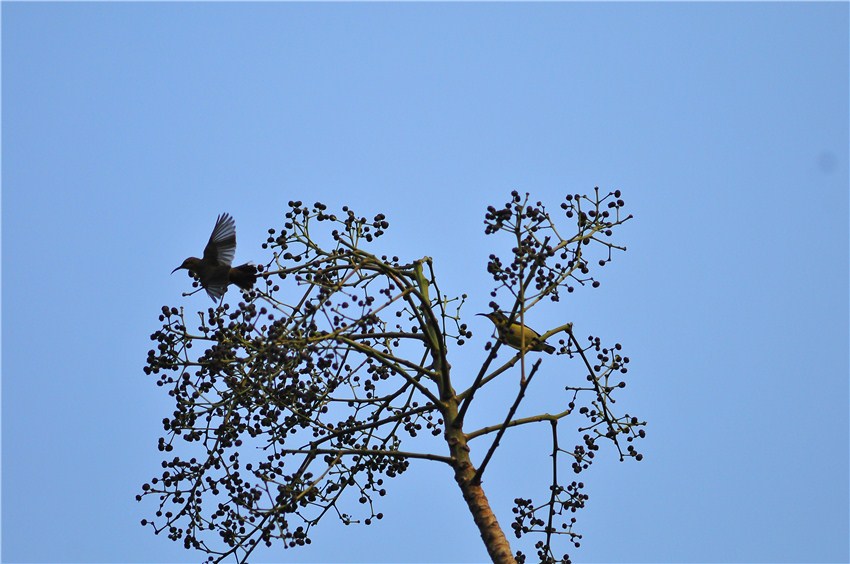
190	264
497	317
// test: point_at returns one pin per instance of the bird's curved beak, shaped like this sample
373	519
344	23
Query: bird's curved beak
176	269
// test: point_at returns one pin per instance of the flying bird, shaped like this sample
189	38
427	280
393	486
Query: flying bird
512	335
214	271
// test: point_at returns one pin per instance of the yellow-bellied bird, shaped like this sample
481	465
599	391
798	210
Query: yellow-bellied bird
512	335
214	270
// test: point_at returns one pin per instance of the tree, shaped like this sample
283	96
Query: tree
311	393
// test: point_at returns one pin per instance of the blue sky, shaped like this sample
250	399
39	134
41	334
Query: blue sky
127	128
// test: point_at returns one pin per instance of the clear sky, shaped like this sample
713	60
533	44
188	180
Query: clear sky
127	128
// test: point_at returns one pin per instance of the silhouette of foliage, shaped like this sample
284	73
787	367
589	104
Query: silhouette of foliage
329	376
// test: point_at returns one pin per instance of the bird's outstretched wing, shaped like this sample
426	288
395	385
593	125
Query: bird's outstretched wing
216	292
222	245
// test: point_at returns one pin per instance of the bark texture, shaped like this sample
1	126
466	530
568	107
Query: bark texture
491	533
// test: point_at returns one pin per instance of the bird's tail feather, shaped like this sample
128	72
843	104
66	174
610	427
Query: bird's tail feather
244	276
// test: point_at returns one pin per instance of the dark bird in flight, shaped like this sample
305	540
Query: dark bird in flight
512	335
214	270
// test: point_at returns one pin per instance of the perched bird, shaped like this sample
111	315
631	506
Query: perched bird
214	270
511	335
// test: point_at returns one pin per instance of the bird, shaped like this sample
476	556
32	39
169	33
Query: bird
512	335
214	270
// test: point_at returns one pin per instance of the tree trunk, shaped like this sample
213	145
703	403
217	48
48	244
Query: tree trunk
491	533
